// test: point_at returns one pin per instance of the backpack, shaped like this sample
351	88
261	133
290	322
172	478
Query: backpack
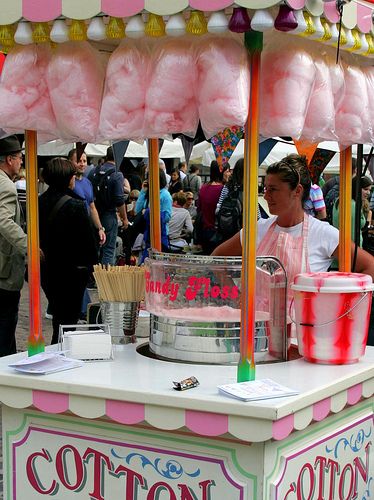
230	216
330	199
100	184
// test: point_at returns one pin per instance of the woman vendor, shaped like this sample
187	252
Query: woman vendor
301	242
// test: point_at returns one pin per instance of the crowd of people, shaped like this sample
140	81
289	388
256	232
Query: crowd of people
91	214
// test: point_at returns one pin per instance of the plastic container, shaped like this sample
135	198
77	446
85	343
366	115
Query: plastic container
332	312
195	307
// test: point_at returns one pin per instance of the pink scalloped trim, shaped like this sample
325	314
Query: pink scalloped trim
206	424
354	394
208	5
124	412
50	402
120	8
296	4
321	409
283	427
41	10
364	22
331	13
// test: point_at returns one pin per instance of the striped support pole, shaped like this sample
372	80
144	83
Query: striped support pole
345	197
246	367
154	195
35	340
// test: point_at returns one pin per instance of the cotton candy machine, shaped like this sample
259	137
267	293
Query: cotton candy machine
195	306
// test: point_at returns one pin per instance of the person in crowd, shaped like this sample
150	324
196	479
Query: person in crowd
301	242
162	165
110	199
13	244
133	198
175	184
206	205
315	204
192	182
365	186
83	188
180	225
132	172
330	191
21	194
190	205
227	173
142	213
90	166
68	244
182	167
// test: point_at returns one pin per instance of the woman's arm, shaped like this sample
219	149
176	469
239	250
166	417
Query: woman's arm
364	261
231	247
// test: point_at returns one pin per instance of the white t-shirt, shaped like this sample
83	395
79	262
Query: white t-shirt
322	240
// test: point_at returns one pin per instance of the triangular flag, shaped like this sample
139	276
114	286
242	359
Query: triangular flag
80	147
305	148
318	163
119	151
225	142
264	149
187	148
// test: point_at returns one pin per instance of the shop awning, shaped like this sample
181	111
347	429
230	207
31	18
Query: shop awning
357	13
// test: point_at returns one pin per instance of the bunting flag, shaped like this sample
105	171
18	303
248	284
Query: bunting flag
187	148
306	148
189	142
225	142
264	149
119	151
80	147
319	162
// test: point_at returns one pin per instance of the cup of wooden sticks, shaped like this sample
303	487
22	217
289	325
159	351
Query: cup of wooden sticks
120	289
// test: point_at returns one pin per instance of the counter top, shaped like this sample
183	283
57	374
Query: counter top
133	388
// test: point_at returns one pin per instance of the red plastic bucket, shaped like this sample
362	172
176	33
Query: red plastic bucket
332	312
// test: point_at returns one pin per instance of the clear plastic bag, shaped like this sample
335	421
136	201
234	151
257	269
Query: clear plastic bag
171	104
320	117
123	106
75	80
222	84
287	79
24	96
352	116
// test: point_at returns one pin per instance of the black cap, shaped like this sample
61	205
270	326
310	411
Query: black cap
9	145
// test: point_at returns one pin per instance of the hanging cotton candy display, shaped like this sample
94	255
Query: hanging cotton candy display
24	97
171	105
222	84
75	82
123	107
286	84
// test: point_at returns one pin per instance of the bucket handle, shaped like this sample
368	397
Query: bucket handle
327	322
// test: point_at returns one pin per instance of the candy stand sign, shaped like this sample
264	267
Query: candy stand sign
57	464
339	466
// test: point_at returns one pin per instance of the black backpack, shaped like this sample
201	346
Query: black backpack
230	216
100	183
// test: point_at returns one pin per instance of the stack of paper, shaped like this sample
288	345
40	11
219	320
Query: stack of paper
45	362
256	389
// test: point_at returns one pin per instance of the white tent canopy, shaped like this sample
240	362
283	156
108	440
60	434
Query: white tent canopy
170	149
282	149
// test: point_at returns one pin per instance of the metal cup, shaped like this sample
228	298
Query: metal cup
122	318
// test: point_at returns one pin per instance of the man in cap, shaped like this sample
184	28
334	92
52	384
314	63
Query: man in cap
13	244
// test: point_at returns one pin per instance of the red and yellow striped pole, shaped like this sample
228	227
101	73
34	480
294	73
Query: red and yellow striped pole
345	196
35	340
154	195
246	367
